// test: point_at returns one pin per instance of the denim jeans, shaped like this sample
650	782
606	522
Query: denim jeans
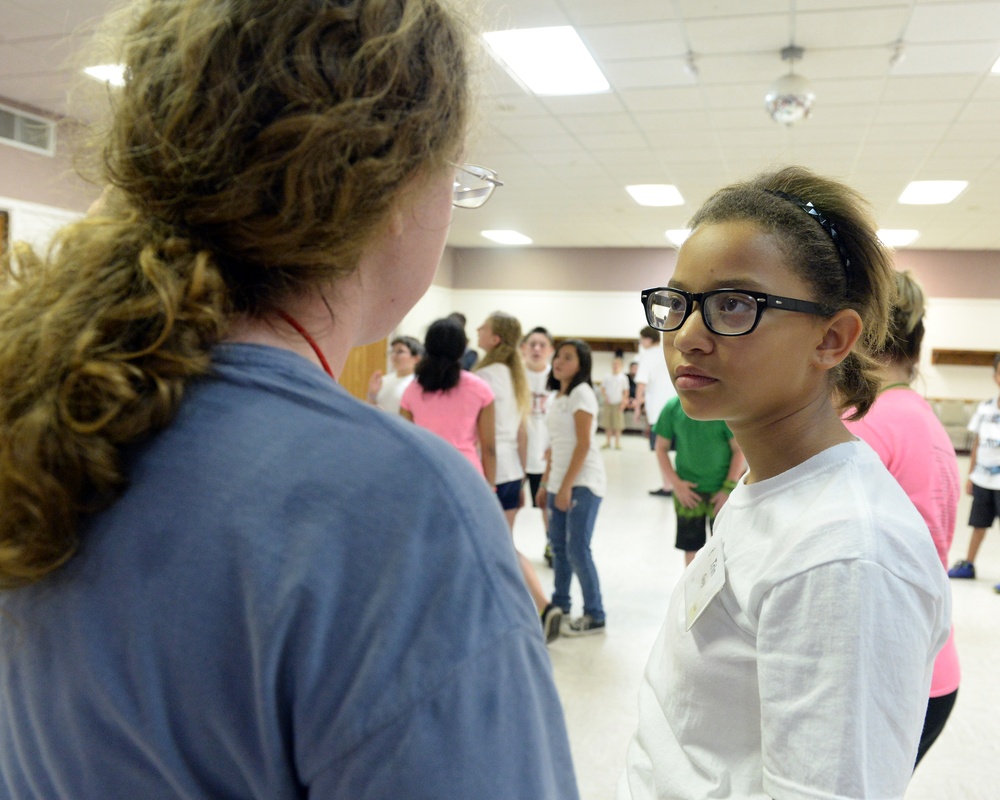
570	533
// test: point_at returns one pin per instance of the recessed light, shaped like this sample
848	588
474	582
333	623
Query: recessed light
548	61
655	194
897	237
931	193
678	236
109	73
506	237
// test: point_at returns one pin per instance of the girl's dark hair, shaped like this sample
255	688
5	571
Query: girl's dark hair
411	344
906	323
253	153
441	366
828	237
582	374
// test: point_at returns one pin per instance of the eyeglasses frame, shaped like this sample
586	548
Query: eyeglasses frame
483	174
764	301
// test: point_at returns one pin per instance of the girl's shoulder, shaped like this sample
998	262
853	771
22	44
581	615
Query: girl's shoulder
471	382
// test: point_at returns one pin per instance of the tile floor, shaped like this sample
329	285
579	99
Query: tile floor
598	676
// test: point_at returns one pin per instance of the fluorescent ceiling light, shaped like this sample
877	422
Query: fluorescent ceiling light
109	73
996	67
506	237
931	193
678	236
897	238
549	61
655	194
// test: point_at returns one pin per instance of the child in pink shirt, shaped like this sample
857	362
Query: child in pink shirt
451	402
910	440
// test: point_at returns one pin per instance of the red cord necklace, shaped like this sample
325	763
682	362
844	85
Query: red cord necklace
309	340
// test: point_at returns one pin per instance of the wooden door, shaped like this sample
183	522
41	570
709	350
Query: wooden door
361	363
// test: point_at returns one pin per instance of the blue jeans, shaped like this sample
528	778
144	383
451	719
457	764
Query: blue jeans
570	533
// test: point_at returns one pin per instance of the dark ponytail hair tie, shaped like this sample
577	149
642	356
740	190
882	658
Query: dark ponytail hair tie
828	226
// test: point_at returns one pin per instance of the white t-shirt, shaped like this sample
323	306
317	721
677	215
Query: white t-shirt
653	373
985	423
392	389
538	434
562	440
807	676
615	387
508	419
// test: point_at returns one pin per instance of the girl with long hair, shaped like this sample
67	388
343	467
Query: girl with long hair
573	484
503	369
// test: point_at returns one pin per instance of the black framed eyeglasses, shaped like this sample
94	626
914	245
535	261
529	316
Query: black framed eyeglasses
726	312
473	185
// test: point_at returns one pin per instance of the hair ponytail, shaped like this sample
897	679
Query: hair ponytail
98	341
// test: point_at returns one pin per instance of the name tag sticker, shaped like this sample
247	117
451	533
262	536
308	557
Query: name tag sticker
703	580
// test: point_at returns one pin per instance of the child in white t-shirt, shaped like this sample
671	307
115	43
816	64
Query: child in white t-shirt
796	657
573	484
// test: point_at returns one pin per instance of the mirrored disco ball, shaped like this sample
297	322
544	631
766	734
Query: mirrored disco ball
789	99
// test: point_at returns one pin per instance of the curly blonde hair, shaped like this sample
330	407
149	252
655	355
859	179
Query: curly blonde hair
253	153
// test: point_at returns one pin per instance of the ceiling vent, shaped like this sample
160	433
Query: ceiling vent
27	131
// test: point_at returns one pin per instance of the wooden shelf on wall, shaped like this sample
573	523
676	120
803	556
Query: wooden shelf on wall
605	344
963	358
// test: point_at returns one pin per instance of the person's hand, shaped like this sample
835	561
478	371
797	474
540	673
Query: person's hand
541	497
968	486
564	499
685	493
719	500
374	383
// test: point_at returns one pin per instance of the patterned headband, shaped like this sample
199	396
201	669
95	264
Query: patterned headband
828	226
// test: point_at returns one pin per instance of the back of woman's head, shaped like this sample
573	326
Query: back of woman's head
829	239
254	151
507	352
441	367
278	135
906	323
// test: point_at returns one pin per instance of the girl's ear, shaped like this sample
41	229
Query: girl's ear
841	332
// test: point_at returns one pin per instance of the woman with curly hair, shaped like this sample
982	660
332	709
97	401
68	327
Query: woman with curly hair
197	599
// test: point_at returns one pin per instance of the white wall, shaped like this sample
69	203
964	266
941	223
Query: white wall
952	324
35	223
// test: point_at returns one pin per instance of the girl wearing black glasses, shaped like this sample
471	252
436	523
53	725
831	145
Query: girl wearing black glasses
796	656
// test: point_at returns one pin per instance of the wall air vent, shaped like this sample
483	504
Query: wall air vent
27	131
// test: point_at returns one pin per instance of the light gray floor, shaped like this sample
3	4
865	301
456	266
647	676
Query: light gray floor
598	676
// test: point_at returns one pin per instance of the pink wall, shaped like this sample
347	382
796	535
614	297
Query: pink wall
48	180
943	273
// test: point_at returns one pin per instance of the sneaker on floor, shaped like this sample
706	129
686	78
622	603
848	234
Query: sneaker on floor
583	626
551	622
962	569
661	492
